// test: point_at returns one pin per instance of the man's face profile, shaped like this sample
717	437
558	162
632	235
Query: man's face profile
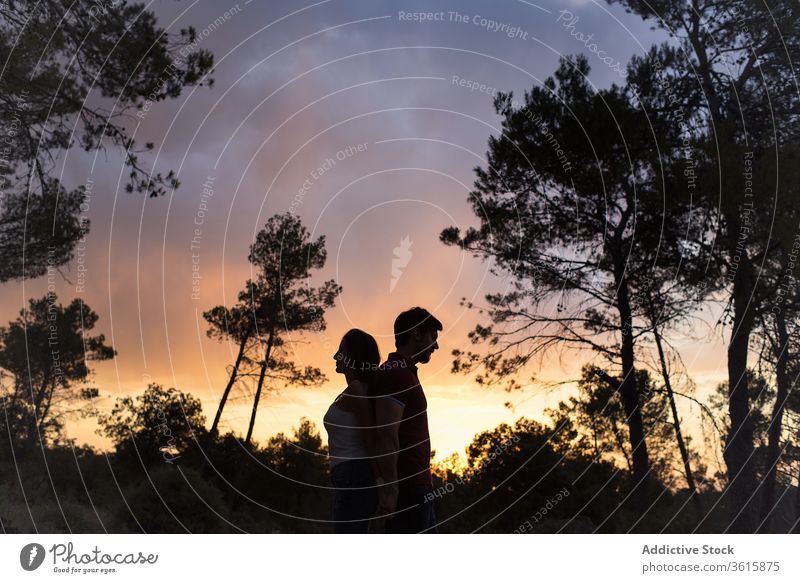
427	345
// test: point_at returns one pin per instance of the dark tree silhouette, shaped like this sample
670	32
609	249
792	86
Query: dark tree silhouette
676	421
667	301
158	424
562	217
593	423
235	324
282	301
742	101
75	74
762	394
512	472
278	303
777	336
47	352
793	409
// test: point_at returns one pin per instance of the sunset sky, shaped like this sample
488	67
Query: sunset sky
379	119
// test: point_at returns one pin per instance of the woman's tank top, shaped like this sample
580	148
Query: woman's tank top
345	438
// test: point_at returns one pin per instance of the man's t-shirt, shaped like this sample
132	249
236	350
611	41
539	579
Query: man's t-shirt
397	379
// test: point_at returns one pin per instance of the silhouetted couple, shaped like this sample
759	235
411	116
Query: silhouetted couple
378	439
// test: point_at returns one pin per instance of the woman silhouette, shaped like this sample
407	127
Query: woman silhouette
349	422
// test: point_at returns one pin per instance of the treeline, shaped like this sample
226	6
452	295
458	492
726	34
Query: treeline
679	209
166	475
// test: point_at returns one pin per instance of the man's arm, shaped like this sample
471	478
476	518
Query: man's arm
388	414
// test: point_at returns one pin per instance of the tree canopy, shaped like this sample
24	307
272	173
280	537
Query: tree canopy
75	75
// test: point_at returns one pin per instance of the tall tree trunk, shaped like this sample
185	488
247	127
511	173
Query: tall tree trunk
776	425
229	386
35	423
262	374
45	411
676	421
620	444
796	526
739	447
629	391
739	450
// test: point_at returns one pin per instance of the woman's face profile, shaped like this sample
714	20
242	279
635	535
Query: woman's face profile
341	358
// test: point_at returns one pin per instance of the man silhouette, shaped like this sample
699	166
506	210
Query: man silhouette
403	445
